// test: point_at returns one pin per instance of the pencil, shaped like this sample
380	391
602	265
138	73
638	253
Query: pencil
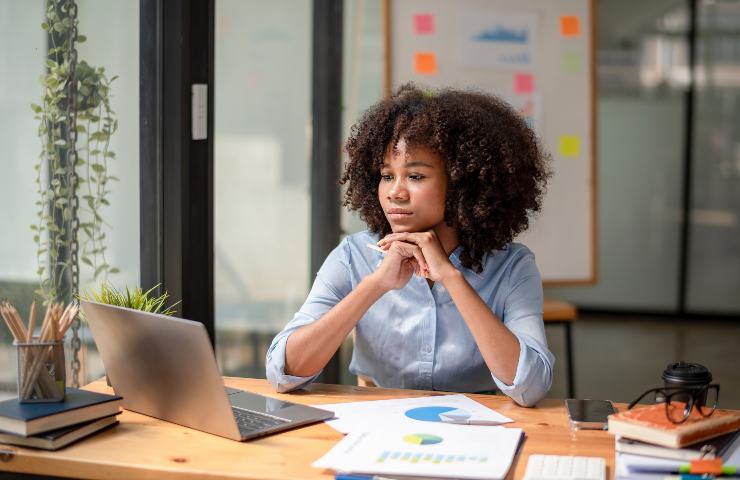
376	248
31	322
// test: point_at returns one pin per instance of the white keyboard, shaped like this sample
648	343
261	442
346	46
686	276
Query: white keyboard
560	467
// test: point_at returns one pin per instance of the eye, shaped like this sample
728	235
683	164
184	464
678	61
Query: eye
416	177
386	177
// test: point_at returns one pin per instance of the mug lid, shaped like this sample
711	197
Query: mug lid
687	372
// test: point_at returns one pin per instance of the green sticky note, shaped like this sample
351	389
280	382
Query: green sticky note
569	146
571	62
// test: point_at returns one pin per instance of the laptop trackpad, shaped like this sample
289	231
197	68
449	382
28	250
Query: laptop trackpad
257	403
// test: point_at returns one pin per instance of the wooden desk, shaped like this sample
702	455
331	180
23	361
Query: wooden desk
558	311
147	448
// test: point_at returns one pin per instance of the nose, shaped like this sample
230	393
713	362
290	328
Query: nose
398	190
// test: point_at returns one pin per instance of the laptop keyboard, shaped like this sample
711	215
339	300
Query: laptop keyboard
250	422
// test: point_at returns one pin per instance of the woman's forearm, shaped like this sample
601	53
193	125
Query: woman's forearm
310	347
498	346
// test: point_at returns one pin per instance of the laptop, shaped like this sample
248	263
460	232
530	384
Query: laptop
164	367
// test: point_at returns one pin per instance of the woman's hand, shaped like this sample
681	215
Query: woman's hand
436	264
402	259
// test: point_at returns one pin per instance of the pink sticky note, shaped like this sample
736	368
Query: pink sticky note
424	24
523	83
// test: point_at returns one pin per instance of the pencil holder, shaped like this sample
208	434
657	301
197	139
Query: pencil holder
42	375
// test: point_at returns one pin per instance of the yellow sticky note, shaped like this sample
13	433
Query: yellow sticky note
570	146
425	63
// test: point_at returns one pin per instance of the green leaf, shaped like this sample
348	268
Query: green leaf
114	270
97	168
45	26
81	38
87	261
59	26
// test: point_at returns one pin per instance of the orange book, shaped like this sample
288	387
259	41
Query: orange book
650	424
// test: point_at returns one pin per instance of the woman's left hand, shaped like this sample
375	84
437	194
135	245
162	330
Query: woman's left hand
438	263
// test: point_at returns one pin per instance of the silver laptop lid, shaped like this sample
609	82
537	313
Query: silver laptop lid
163	367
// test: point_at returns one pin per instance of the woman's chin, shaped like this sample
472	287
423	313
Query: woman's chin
404	229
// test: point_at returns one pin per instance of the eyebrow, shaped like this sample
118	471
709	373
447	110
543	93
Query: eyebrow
414	163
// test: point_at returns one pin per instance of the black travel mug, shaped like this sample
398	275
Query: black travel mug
687	375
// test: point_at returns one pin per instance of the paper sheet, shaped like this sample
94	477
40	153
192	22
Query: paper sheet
434	449
365	416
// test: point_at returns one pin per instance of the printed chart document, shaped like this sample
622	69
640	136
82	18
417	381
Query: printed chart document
430	450
364	416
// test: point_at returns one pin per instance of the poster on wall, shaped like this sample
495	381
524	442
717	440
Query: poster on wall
498	39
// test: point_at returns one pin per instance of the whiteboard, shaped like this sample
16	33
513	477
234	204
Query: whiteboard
539	56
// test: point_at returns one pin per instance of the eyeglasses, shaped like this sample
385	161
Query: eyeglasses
680	401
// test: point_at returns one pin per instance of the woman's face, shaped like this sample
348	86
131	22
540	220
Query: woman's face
412	189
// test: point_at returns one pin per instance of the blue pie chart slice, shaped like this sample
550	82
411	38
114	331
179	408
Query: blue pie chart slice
428	414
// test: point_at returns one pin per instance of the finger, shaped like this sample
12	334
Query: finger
402	236
419	256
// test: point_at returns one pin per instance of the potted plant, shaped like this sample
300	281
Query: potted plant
135	298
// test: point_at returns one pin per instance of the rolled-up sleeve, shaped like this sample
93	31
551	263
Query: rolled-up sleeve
523	317
332	283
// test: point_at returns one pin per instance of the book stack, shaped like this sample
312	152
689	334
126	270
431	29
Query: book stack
648	445
51	426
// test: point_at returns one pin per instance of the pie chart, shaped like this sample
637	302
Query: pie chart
422	439
431	413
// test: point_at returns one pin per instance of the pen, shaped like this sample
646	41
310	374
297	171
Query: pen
376	248
686	476
350	476
472	422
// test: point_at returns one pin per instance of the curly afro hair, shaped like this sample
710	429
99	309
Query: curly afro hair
496	168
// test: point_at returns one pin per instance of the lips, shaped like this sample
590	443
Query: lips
398	211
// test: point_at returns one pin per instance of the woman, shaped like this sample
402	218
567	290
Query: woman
444	181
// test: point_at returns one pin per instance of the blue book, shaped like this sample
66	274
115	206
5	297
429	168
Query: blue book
78	406
56	439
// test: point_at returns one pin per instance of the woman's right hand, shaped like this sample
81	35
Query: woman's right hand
402	259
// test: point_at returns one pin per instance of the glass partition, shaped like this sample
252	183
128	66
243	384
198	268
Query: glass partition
114	46
262	175
714	230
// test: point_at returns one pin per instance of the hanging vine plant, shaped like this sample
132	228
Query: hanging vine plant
76	123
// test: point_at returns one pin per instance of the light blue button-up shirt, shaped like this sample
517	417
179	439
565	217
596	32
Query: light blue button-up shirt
416	338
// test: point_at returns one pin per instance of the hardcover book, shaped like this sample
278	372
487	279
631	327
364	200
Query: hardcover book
721	446
78	406
62	437
651	425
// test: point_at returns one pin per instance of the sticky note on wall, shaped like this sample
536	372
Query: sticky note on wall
570	26
569	146
425	63
424	24
571	62
523	83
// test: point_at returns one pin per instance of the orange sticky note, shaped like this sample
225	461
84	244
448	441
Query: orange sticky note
569	146
570	26
523	83
424	24
425	63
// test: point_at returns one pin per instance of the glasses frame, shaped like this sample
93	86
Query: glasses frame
694	394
